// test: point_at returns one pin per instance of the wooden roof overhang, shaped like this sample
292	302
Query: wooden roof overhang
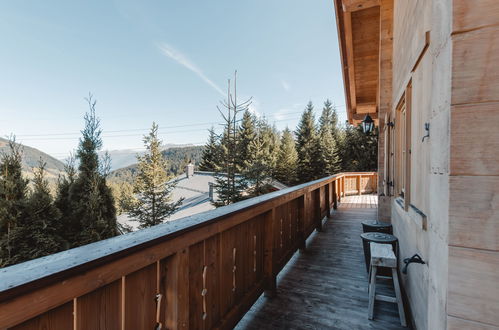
358	24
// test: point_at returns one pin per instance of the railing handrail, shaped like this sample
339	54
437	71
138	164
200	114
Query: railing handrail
31	275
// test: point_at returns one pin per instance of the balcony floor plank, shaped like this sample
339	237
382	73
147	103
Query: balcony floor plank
325	287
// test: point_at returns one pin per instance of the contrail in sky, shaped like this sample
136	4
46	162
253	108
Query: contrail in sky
181	59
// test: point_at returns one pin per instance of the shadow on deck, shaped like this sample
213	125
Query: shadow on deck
325	287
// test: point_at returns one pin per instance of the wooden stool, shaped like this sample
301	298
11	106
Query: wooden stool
382	256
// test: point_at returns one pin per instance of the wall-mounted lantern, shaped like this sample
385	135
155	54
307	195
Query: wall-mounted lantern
368	124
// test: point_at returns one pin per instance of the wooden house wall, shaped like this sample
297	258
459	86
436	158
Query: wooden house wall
474	166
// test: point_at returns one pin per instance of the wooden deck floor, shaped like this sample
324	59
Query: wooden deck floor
360	202
325	287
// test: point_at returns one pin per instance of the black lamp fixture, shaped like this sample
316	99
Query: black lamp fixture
368	124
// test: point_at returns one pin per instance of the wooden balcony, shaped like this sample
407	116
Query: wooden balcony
207	270
325	286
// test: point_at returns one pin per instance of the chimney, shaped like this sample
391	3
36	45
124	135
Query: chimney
211	191
189	170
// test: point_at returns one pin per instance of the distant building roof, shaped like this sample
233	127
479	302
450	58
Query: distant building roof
195	190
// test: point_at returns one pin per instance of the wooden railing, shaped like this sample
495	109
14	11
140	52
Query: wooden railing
200	272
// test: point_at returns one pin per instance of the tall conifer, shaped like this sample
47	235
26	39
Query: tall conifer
13	189
90	214
38	231
153	185
211	153
287	158
306	136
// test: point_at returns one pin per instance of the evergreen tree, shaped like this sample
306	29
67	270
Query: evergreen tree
246	136
63	201
229	183
259	166
90	214
360	150
13	189
153	185
306	136
210	158
37	232
287	159
327	159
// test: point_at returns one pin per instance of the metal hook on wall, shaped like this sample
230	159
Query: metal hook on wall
427	129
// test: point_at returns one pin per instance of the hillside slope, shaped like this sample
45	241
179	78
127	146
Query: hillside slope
31	157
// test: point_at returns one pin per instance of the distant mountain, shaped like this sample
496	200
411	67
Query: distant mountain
31	157
177	158
126	157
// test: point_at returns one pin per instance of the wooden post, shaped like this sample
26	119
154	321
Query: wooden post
328	200
301	222
343	186
358	184
317	209
268	257
335	196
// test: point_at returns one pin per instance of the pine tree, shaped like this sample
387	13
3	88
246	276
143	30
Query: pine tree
210	158
153	185
37	232
246	136
13	189
90	214
287	159
271	141
306	136
327	159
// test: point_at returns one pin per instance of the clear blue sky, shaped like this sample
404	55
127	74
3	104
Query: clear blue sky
163	61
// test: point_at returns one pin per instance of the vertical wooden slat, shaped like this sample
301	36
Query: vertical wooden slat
100	309
140	303
301	222
269	262
60	318
196	265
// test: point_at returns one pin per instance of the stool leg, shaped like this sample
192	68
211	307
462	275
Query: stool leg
400	303
372	292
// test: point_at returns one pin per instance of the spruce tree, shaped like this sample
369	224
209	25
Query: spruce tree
13	189
287	159
260	164
90	214
210	158
306	136
360	150
327	159
37	232
246	136
153	185
229	183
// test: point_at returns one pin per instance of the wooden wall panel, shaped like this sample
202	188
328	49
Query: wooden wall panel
100	309
475	73
60	318
410	26
140	294
475	139
474	285
454	323
474	14
474	212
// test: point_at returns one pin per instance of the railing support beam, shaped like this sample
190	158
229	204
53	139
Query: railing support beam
270	283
